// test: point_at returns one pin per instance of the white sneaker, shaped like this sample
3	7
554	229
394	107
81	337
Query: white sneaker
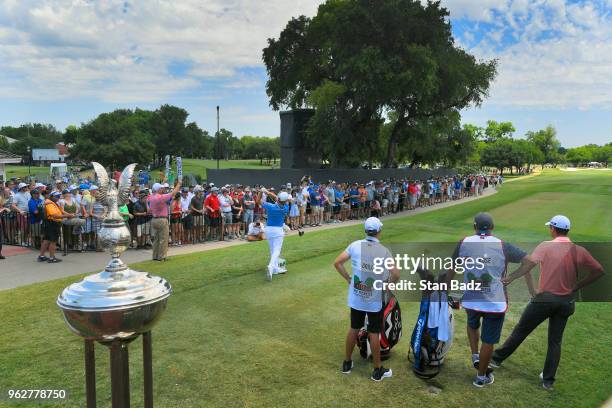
269	274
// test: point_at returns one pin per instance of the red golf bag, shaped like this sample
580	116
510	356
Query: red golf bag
391	331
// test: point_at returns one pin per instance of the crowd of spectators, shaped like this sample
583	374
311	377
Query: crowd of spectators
70	214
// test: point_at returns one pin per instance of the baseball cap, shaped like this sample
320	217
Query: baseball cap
21	185
166	185
93	187
483	221
559	221
373	224
214	189
73	187
83	187
156	187
284	196
55	194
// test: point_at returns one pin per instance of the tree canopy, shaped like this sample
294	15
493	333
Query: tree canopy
31	135
358	60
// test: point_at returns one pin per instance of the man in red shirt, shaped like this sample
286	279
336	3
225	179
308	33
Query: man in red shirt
213	210
559	261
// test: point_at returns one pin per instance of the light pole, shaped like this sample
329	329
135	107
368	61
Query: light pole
218	147
29	161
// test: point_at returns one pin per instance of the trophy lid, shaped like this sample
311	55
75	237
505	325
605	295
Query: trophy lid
114	290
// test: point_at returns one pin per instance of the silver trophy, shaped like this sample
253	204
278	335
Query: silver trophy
118	304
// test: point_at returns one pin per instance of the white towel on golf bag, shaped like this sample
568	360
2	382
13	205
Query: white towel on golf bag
438	315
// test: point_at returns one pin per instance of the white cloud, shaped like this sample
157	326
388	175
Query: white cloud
121	51
561	56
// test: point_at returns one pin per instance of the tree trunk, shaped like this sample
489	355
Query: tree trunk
393	140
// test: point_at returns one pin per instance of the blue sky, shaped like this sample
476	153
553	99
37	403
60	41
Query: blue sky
65	61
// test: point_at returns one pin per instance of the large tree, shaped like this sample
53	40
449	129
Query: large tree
115	139
356	60
546	140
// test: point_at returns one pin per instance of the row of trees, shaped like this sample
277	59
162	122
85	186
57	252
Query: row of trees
30	135
144	136
123	136
580	156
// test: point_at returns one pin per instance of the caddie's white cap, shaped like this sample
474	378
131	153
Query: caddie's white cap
284	196
373	224
559	221
156	187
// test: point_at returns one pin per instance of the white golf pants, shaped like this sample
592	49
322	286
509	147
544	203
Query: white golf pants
275	236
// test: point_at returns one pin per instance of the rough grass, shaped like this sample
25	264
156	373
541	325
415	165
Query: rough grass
230	339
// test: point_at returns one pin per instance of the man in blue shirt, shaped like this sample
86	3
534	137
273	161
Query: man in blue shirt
354	200
34	205
274	231
315	205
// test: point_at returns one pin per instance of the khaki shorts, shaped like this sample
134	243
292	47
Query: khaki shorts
143	229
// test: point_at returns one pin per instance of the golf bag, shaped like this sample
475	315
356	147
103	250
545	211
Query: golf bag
391	330
427	351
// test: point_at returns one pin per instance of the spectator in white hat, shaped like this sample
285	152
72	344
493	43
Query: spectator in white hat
158	205
275	232
365	298
559	262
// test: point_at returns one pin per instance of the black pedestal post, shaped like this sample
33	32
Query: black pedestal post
120	374
90	373
147	361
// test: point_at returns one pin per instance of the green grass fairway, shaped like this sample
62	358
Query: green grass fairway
24	171
231	339
198	167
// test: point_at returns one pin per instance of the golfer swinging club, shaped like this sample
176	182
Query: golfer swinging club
276	213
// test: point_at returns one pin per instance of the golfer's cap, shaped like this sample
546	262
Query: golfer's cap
483	221
21	185
93	187
559	221
373	224
284	196
156	187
